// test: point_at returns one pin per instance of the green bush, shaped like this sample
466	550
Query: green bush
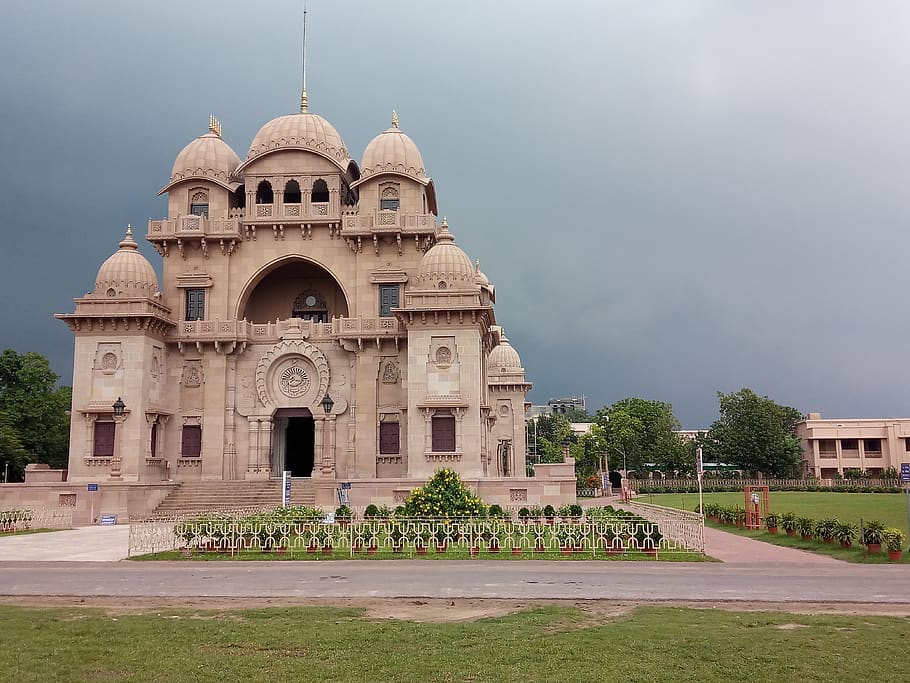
549	511
444	495
873	532
371	512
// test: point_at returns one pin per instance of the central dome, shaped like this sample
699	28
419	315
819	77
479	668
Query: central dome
304	131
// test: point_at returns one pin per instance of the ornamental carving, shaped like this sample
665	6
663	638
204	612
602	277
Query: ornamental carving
295	351
390	373
443	356
294	382
109	361
192	376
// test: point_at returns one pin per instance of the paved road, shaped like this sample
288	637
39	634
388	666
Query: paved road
85	544
451	579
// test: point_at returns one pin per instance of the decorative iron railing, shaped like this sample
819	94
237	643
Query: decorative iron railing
23	519
687	528
596	538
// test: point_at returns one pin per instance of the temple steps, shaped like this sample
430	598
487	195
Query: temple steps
208	496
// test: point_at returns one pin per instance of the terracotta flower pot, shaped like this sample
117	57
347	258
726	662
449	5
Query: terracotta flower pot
772	529
516	552
895	555
421	550
326	550
493	549
565	550
372	550
874	547
791	532
311	548
475	551
846	544
807	537
441	547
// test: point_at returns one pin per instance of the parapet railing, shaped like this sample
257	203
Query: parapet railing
593	537
22	519
688	528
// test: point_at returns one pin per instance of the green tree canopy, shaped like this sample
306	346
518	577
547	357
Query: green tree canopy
549	432
33	412
444	495
640	432
756	434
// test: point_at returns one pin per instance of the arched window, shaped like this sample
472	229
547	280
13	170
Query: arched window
264	193
310	306
320	192
199	203
388	198
292	192
238	198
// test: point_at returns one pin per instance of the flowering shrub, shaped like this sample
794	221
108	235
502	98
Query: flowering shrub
444	495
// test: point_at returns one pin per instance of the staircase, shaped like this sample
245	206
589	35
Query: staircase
199	497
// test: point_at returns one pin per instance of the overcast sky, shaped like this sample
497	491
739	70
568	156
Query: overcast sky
672	198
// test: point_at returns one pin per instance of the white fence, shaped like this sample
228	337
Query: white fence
22	519
687	528
415	536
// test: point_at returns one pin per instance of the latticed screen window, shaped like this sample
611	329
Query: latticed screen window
191	441
389	438
443	433
103	446
195	304
388	299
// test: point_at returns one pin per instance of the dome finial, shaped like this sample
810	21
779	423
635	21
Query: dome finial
128	241
478	265
394	119
445	223
214	125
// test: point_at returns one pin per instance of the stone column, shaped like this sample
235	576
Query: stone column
117	460
230	393
265	447
328	463
319	443
253	460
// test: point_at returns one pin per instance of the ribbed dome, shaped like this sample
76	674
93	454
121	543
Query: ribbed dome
445	263
504	356
126	273
208	156
300	131
480	277
393	152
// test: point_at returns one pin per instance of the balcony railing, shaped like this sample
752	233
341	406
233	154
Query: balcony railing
194	226
391	221
227	331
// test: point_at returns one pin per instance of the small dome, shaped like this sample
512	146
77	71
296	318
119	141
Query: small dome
126	273
504	356
300	131
393	152
445	264
208	157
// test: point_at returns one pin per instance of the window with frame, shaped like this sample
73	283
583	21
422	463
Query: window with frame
103	439
319	194
389	438
388	299
199	204
191	441
153	446
872	447
195	304
443	428
388	198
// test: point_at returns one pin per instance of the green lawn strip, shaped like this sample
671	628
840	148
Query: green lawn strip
888	508
25	532
545	644
450	554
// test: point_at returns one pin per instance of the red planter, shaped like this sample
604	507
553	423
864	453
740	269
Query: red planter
895	555
493	549
397	548
791	532
326	550
539	549
372	550
772	529
565	550
441	547
421	550
807	537
311	548
874	547
475	551
845	544
516	552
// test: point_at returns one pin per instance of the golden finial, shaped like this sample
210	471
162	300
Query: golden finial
478	265
214	125
303	102
394	119
129	230
445	223
128	241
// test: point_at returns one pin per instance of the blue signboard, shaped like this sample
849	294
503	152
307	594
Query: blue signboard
93	487
286	489
905	472
346	485
108	520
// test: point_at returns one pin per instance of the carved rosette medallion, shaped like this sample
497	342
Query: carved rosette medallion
293	373
443	356
294	382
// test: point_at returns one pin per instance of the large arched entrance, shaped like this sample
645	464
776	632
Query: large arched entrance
293	288
294	439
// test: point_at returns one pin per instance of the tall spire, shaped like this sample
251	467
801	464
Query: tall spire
214	125
303	98
394	119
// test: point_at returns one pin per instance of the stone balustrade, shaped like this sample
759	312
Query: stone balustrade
355	224
243	331
194	226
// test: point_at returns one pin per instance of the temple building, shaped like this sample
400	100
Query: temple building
313	316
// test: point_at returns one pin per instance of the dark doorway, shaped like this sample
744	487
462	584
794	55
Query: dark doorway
616	479
299	446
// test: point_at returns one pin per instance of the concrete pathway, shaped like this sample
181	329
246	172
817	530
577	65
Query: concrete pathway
85	544
728	547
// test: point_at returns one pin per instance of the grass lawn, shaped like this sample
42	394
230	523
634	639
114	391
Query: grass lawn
888	508
544	644
450	554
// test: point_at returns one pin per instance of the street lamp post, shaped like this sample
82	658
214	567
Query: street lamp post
119	408
328	442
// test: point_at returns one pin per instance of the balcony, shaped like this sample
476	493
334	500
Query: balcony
358	224
294	213
199	230
225	335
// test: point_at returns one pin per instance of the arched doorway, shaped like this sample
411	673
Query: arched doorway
294	442
292	287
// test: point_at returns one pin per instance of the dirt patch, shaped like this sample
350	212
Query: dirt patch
434	609
790	627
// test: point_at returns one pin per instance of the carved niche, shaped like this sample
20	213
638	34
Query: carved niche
293	373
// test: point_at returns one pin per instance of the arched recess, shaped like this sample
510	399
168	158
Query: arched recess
270	294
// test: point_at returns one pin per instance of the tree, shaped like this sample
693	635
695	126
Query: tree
551	431
756	434
444	495
588	451
34	412
640	433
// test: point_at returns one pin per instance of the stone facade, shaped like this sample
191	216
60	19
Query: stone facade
313	316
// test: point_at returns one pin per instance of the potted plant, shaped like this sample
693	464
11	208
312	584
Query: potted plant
771	522
566	537
523	514
343	515
894	539
740	516
825	529
873	536
565	512
549	513
788	523
576	512
805	525
371	512
845	533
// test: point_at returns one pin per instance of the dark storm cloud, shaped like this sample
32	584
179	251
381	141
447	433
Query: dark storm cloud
671	198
